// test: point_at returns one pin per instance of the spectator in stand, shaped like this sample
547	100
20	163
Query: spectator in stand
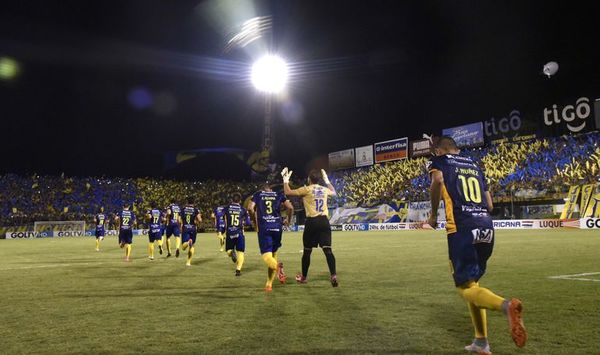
534	169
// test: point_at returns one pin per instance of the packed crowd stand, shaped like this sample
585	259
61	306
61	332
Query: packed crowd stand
542	169
538	169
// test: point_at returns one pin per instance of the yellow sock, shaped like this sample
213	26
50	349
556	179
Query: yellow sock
160	241
177	242
270	277
270	261
271	273
479	320
97	243
190	254
480	296
151	249
127	250
240	260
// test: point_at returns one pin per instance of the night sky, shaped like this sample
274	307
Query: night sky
363	71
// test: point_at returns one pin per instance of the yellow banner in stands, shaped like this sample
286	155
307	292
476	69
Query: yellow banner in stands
593	207
571	202
586	195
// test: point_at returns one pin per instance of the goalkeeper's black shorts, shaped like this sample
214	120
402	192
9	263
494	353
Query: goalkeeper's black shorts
317	232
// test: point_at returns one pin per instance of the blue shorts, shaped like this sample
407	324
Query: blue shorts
238	242
126	236
162	230
469	252
99	233
173	230
221	228
189	234
269	241
154	236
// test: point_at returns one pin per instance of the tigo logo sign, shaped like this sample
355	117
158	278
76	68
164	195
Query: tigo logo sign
575	116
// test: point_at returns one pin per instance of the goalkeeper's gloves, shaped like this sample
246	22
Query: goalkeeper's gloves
325	177
286	175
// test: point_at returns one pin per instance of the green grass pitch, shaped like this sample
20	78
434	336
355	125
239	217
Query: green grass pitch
396	295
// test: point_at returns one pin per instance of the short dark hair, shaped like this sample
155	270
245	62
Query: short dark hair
236	197
314	177
445	142
190	200
126	204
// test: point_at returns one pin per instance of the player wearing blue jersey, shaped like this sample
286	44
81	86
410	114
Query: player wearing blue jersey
468	203
100	222
191	219
126	221
173	227
235	242
155	219
219	225
265	210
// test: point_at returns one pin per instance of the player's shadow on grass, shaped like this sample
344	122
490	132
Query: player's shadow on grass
453	319
201	262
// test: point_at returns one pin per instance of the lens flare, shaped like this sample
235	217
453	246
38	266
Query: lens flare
269	74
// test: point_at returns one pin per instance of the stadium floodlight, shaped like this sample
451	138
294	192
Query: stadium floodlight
269	74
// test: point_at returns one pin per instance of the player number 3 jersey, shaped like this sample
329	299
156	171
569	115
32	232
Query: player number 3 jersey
268	207
462	192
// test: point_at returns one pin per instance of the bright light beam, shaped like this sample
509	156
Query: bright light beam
269	74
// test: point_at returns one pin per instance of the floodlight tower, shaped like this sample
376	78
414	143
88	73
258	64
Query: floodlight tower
269	76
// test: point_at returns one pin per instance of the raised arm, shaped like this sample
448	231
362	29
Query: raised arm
327	182
289	208
286	175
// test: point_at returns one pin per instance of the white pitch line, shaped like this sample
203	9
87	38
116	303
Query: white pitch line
576	277
580	279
